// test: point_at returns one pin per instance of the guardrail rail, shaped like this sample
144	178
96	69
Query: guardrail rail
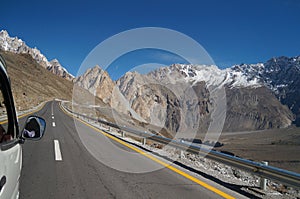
260	169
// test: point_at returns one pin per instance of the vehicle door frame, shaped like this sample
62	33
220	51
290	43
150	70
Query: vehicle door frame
11	150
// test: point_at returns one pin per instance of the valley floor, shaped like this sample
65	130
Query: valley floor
279	147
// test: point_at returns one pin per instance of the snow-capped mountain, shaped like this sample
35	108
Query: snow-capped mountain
177	97
211	75
16	45
276	73
281	75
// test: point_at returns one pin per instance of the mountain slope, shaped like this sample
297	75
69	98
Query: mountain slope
56	68
99	83
178	98
282	76
255	109
33	84
16	45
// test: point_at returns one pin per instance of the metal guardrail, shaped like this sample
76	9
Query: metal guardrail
283	176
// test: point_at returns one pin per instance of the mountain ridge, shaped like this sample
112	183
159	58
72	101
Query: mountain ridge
33	84
99	83
152	98
168	97
244	112
282	76
18	46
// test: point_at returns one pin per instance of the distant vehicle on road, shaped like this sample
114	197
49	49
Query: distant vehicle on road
11	138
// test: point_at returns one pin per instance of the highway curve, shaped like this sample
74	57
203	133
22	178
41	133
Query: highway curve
77	174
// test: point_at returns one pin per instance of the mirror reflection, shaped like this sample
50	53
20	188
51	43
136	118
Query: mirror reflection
34	128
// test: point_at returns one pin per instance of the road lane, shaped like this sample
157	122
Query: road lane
80	175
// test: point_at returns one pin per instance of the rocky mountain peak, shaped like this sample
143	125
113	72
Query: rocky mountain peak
168	96
54	61
210	74
281	76
56	68
149	96
4	33
98	82
95	79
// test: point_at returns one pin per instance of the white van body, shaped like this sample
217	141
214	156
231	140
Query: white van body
11	139
10	168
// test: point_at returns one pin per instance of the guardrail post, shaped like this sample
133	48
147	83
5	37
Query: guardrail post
263	181
122	134
144	141
108	128
181	155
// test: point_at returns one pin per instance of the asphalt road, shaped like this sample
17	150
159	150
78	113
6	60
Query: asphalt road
79	175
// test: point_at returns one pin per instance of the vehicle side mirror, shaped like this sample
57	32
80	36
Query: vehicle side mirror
34	128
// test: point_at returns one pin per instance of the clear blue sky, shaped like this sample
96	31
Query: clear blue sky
232	32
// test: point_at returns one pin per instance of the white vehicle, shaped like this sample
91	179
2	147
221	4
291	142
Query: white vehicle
11	138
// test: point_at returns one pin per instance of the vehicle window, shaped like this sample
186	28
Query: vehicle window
4	136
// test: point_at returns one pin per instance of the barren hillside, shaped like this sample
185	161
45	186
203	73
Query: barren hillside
33	84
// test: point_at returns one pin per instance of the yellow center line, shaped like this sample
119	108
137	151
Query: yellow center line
178	171
25	114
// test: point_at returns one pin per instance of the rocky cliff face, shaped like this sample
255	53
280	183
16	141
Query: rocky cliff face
178	98
16	45
282	76
57	69
172	107
255	109
99	83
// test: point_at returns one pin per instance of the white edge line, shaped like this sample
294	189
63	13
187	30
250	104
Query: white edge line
57	151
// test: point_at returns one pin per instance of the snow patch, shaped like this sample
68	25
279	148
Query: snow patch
213	76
